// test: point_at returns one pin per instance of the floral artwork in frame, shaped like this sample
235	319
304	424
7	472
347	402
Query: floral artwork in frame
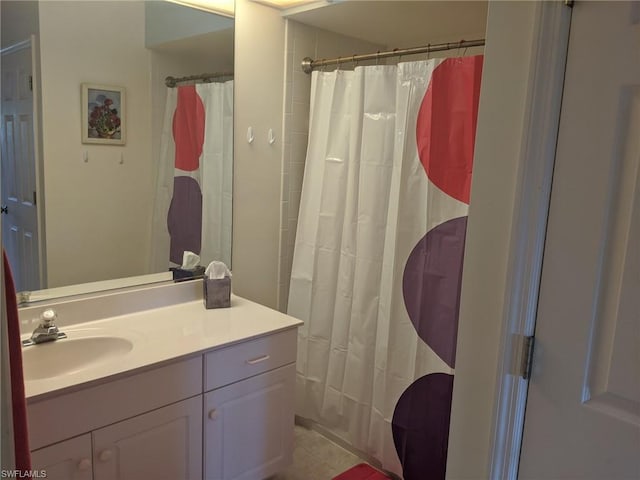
103	114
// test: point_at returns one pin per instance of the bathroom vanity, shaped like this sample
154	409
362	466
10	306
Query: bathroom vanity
199	393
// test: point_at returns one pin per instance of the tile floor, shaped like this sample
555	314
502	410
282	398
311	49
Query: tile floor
316	458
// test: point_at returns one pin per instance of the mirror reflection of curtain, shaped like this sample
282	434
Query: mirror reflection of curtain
192	209
378	256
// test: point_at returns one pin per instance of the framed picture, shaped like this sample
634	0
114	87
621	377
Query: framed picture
103	114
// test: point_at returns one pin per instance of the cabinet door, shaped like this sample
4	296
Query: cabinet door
249	427
165	444
68	460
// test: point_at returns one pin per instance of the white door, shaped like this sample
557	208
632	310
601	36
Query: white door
248	433
20	215
583	407
68	460
165	444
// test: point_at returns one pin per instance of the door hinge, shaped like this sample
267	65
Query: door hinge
34	197
31	82
569	3
526	360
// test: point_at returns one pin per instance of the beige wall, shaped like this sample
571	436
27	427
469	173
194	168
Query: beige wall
259	80
498	153
97	212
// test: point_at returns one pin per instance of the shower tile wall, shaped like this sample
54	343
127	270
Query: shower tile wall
302	41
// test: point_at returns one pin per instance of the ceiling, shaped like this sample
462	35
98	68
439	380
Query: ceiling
390	23
399	24
218	43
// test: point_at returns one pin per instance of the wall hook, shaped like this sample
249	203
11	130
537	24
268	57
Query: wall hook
250	136
271	137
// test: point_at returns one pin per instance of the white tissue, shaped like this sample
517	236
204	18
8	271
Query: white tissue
217	270
190	260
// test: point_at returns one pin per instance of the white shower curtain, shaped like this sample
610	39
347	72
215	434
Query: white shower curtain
362	252
195	175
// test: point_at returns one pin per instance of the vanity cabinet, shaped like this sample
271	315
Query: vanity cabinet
164	444
249	408
229	411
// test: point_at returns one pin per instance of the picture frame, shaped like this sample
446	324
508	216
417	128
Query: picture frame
103	114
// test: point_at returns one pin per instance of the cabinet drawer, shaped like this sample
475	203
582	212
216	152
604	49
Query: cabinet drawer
231	364
99	405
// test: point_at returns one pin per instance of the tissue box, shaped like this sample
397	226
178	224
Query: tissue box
180	274
217	292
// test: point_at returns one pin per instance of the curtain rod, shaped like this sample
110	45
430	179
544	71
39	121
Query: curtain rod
308	65
205	77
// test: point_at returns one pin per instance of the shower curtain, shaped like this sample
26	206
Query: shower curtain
192	209
378	256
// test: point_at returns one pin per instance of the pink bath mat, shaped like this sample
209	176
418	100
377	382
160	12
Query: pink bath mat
361	472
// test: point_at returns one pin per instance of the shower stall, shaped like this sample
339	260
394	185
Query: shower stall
378	254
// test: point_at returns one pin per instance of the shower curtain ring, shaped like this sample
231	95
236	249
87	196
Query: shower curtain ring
399	56
429	52
460	46
324	66
338	64
354	61
377	58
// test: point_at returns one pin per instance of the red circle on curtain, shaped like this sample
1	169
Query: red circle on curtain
446	125
188	128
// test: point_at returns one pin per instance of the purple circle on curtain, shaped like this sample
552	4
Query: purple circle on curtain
420	427
184	219
431	286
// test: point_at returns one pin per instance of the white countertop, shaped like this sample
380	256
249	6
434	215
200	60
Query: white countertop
163	334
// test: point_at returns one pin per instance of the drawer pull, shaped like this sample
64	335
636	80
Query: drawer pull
84	465
258	359
213	414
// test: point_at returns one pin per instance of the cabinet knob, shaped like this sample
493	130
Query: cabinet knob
105	455
84	464
213	414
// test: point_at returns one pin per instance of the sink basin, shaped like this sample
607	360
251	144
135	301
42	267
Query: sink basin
79	351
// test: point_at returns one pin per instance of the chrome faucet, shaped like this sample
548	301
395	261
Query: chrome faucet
47	331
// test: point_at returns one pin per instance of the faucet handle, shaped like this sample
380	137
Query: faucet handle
48	317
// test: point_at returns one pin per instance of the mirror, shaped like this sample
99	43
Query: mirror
92	212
